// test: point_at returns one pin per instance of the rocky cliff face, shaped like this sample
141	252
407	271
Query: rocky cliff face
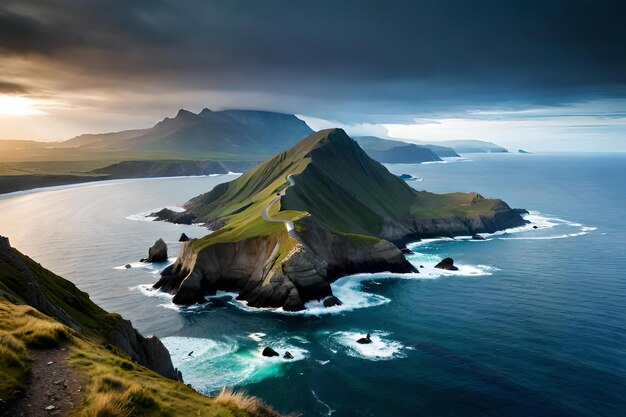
25	281
265	276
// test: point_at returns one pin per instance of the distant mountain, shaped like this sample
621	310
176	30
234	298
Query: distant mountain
311	214
243	133
395	152
473	146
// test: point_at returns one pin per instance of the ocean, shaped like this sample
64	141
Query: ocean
533	323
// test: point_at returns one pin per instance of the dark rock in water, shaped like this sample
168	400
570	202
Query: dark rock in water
183	238
447	264
269	352
288	355
477	237
535	227
421	266
365	340
406	177
167	215
332	301
157	252
127	266
407	251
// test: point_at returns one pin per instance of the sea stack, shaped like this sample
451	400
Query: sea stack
157	252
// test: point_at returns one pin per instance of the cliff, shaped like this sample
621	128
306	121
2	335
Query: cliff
24	281
308	216
61	354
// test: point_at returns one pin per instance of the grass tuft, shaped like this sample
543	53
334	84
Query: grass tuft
242	401
108	404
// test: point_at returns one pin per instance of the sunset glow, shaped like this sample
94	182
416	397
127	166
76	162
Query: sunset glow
18	106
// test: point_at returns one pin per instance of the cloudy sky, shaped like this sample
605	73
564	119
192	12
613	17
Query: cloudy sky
538	74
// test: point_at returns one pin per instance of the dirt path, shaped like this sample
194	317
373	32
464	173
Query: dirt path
55	389
265	212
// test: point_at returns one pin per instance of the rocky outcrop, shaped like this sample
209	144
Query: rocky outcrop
501	218
269	352
447	264
157	252
250	267
167	215
332	301
147	351
183	238
365	340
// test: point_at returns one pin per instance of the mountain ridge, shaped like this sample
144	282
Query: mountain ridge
228	132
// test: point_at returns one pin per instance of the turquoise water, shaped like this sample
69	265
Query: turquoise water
532	325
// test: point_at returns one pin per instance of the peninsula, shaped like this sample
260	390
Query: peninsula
323	209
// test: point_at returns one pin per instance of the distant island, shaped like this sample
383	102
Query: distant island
473	146
389	151
311	214
523	151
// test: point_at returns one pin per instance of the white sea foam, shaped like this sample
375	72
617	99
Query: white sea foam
540	224
448	160
329	410
381	348
146	216
257	337
153	268
229	361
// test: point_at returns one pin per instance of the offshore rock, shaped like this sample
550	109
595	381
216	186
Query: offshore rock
157	252
447	264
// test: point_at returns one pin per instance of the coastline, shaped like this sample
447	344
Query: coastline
103	181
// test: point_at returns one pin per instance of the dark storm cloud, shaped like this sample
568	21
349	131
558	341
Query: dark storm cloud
380	56
12	88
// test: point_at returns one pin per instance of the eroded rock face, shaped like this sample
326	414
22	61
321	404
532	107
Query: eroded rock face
157	252
249	268
147	351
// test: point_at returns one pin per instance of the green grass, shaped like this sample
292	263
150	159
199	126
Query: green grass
119	388
336	183
22	327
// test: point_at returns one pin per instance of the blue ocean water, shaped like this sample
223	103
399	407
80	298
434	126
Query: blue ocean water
534	323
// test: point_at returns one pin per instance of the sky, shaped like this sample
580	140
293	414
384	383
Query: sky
544	75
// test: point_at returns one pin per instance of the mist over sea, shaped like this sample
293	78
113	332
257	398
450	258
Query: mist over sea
533	324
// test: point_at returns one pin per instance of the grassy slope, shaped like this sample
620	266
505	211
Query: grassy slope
117	386
336	182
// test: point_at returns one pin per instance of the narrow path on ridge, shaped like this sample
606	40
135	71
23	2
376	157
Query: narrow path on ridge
54	388
265	212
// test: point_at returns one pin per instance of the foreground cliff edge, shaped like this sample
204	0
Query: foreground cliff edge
61	354
314	213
